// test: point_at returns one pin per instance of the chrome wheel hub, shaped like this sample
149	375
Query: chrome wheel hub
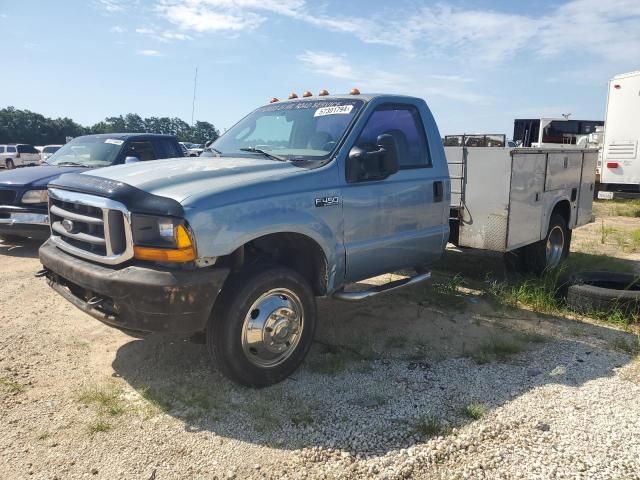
555	246
272	328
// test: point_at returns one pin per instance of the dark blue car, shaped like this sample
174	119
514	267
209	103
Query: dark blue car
23	191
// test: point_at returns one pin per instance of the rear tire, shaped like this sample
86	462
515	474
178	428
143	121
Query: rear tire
9	164
262	325
551	251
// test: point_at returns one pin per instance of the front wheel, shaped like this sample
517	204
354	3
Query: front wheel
10	165
262	325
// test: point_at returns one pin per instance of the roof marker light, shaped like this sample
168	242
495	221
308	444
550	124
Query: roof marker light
617	86
274	100
307	94
293	95
323	93
354	91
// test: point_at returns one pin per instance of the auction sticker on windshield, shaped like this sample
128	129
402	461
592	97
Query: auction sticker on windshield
114	141
337	110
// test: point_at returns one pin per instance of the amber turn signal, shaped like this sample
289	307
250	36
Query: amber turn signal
184	251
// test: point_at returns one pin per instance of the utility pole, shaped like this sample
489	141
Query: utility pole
193	103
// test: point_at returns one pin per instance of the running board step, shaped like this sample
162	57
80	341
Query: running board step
378	289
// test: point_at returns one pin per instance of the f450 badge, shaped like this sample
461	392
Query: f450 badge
327	201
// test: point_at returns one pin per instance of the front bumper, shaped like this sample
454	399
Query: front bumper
24	222
135	298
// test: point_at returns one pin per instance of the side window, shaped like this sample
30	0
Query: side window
404	124
168	148
11	149
2	149
23	149
142	149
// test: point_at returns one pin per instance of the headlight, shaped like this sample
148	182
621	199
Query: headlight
35	196
161	239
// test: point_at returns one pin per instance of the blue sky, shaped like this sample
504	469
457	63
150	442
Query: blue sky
478	64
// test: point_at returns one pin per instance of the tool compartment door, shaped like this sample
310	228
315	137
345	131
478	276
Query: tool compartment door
563	170
525	198
587	185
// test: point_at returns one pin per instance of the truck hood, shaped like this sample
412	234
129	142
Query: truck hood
181	178
36	177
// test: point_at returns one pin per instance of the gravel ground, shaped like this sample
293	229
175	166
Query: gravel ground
396	387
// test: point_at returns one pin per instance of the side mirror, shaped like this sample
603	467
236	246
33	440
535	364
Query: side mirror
374	165
131	160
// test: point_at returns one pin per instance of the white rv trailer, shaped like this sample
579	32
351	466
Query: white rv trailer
620	169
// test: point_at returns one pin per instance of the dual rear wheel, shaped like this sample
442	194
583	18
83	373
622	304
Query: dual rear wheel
545	254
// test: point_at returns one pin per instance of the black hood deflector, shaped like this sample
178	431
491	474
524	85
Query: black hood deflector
136	200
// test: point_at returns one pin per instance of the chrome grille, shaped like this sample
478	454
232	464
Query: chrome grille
91	227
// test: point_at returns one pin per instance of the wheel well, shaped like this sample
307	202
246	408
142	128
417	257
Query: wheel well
563	208
294	250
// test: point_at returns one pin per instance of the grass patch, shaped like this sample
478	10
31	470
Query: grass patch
11	386
497	349
474	411
623	345
156	402
443	292
619	208
533	337
396	341
262	416
106	399
542	294
334	359
428	425
100	426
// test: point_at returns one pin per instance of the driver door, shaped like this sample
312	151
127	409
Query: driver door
394	222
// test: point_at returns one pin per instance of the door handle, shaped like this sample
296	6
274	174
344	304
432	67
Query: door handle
438	191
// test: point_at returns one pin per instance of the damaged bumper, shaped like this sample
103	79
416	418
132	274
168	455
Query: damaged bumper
135	298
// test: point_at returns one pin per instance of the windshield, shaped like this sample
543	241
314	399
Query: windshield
87	152
299	130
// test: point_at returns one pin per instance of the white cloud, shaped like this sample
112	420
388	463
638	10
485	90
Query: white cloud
149	53
202	16
161	36
111	6
585	28
116	29
373	79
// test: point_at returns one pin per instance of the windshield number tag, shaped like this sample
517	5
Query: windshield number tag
337	110
114	141
327	201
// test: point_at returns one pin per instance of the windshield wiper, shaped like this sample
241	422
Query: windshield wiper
70	164
263	152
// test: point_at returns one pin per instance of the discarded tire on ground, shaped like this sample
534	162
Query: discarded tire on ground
604	291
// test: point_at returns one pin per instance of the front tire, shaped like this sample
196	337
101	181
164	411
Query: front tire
262	325
10	165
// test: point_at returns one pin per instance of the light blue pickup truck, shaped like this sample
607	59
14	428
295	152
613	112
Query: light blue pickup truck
296	201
